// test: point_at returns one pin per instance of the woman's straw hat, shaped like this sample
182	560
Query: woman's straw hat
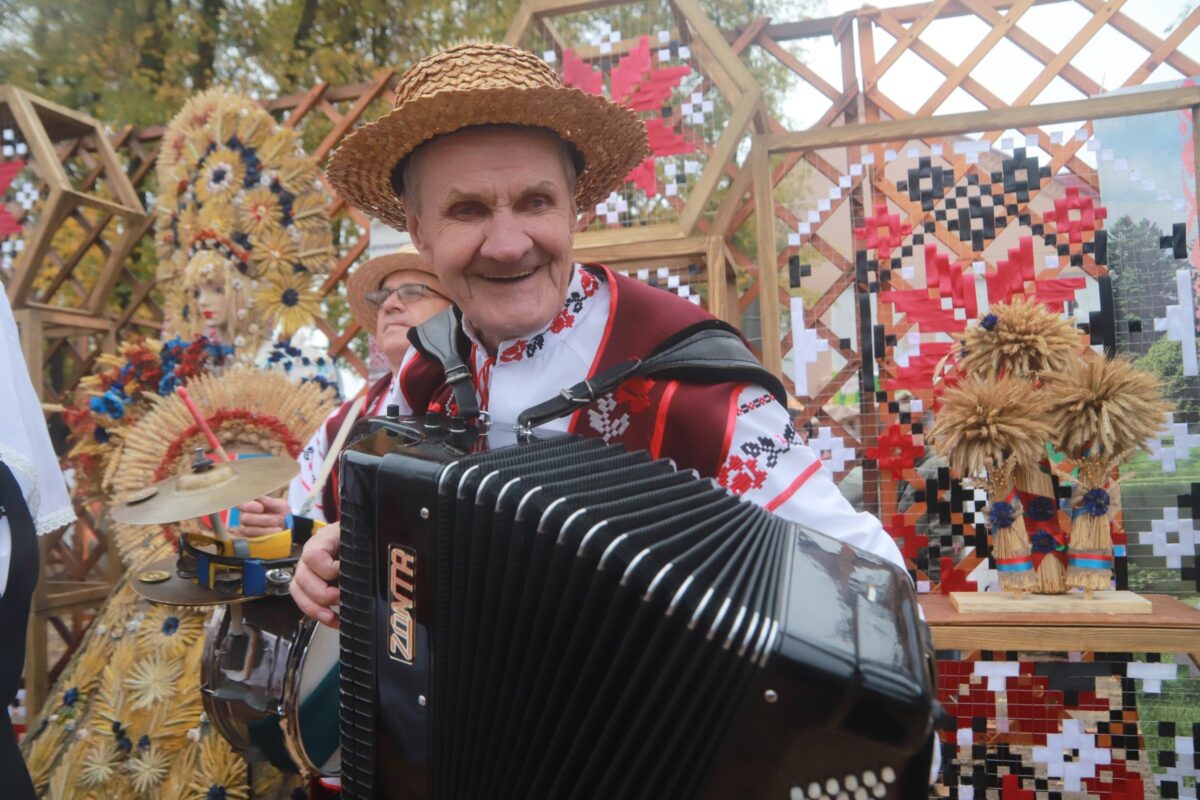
371	275
486	84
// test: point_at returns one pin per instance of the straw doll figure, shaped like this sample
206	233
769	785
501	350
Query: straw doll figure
987	429
1025	340
1102	410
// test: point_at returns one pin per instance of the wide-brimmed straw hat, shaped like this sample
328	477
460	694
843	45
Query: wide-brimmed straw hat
371	275
486	84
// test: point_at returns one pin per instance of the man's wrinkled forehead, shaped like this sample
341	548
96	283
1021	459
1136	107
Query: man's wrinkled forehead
408	175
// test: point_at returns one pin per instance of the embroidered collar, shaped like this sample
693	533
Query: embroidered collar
585	283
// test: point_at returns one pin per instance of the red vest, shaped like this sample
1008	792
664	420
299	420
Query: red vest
330	492
691	424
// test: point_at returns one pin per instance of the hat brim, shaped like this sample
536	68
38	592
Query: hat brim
370	276
610	137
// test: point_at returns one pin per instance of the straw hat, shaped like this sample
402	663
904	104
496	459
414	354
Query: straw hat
371	275
486	84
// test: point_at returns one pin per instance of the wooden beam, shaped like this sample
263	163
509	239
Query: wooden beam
963	70
1068	51
38	245
1148	40
732	309
306	104
91	234
126	241
902	43
708	65
114	172
133	215
342	127
737	193
714	265
828	26
610	238
520	25
65	595
1167	50
721	156
799	67
635	251
41	149
69	317
715	41
1036	49
33	346
1148	102
768	262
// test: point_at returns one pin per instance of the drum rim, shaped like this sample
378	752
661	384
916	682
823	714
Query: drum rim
289	719
219	711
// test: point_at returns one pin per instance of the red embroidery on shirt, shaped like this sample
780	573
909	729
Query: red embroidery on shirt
563	321
756	403
588	283
740	476
514	352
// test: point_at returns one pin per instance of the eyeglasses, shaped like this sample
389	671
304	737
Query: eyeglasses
407	293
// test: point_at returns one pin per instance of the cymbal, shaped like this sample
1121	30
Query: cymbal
195	494
159	583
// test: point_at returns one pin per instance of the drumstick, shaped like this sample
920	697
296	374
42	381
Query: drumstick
331	455
204	428
213	519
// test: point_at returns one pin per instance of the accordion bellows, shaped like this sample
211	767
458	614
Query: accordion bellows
566	619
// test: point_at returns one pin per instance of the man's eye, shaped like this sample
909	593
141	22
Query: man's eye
538	201
466	211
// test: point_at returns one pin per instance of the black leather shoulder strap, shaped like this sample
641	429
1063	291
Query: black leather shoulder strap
707	352
438	338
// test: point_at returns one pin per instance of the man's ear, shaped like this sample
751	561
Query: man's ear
415	232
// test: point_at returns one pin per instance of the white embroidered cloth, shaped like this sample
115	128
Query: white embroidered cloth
25	444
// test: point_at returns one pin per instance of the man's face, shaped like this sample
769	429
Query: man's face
396	317
495	218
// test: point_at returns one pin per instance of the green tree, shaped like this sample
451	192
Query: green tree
1165	359
136	61
1143	276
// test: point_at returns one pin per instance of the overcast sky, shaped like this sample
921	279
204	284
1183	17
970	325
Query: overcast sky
1108	58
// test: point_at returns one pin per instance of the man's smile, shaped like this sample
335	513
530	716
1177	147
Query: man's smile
511	278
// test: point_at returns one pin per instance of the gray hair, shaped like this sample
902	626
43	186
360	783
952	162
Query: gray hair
404	175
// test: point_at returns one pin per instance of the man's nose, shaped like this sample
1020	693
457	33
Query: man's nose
505	239
393	303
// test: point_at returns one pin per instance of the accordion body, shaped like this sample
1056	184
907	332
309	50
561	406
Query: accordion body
562	618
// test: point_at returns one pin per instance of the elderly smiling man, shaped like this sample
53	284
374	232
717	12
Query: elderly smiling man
486	160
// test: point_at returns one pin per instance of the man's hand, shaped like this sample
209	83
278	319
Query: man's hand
263	516
314	587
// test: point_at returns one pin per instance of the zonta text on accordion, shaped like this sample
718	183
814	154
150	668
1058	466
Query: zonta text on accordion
400	587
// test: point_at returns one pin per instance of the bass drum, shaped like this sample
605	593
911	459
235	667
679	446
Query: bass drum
269	676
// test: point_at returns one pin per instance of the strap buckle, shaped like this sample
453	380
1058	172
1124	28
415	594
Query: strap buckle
583	398
456	373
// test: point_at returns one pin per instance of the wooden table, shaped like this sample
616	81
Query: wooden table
1173	627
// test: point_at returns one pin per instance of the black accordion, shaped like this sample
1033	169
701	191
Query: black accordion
562	618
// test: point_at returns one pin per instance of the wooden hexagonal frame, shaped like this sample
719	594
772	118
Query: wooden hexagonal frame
52	132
